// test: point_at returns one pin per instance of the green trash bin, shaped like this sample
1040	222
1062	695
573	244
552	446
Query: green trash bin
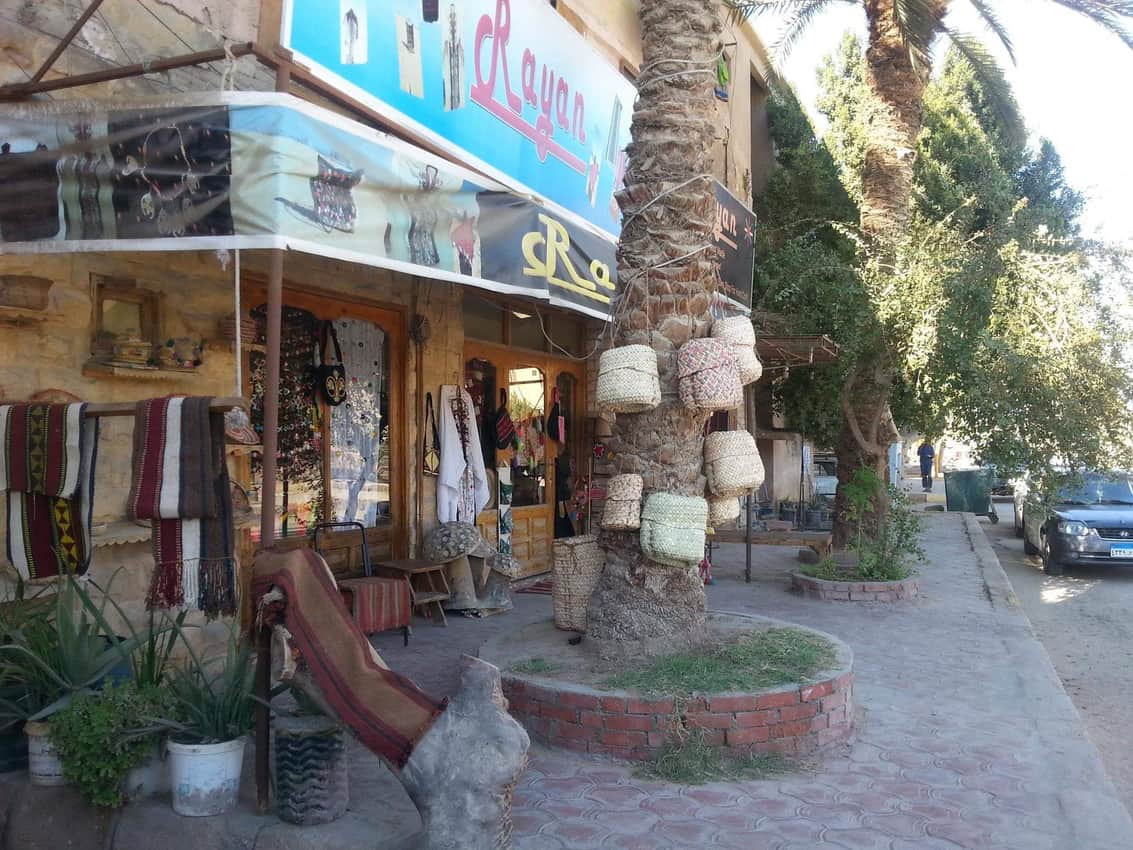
970	490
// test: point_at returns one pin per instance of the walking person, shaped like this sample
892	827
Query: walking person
927	454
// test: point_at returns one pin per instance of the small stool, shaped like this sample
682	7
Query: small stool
426	579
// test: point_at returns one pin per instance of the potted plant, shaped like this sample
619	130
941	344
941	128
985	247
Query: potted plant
46	660
787	510
211	710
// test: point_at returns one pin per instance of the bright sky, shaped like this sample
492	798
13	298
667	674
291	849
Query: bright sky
1071	79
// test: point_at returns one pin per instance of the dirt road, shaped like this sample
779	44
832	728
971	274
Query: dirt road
1085	621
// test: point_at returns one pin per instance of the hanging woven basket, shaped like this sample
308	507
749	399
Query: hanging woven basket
708	377
578	563
627	379
622	511
739	334
672	529
731	463
723	512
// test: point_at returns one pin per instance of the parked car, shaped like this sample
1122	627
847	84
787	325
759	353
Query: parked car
1084	524
824	477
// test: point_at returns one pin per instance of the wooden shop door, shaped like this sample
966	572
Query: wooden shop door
527	381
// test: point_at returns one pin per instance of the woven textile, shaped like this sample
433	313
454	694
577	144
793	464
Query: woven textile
722	512
672	529
625	487
378	604
708	379
738	332
47	458
628	381
732	464
180	483
387	712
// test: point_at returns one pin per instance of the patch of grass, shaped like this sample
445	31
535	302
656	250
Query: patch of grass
759	660
828	570
693	762
535	667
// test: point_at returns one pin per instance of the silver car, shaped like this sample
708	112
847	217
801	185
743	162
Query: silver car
1083	525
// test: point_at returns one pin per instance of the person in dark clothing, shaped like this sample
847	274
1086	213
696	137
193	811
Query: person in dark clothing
927	454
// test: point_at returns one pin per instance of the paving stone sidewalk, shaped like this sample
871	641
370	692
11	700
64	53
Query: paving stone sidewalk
965	735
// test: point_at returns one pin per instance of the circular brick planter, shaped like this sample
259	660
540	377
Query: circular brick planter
791	719
854	591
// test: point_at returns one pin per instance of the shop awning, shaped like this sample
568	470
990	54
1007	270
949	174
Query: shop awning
260	170
796	350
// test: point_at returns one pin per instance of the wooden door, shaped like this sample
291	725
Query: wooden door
527	381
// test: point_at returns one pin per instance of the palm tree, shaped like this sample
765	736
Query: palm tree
668	272
900	41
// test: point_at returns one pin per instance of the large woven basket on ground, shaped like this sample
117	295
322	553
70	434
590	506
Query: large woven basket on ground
731	463
723	512
622	511
672	529
578	563
708	377
628	380
738	332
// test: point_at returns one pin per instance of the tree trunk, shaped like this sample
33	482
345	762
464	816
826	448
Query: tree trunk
641	608
864	444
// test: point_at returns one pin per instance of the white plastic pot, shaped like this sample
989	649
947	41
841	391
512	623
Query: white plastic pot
205	777
149	778
44	766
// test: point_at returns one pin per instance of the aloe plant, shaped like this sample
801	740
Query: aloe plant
212	699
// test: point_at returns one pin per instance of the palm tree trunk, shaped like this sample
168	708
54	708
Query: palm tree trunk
641	608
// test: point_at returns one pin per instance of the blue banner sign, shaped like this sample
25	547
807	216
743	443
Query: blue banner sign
505	86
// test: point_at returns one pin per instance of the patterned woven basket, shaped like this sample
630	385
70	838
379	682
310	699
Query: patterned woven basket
578	563
628	380
738	332
731	463
672	529
624	488
723	512
621	515
708	377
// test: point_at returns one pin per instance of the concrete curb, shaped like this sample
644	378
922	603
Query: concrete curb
996	584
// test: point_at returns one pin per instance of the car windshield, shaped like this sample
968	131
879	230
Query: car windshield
1099	490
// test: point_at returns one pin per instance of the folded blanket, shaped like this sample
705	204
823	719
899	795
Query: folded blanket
47	457
180	483
387	711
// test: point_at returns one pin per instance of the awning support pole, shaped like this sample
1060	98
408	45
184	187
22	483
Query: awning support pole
65	41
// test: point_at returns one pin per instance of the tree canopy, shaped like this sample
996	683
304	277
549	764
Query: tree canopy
998	315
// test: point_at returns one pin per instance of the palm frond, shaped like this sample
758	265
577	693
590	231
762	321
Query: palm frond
919	22
991	19
805	12
741	10
1113	15
995	85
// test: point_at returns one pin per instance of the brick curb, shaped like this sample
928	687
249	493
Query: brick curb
855	591
996	584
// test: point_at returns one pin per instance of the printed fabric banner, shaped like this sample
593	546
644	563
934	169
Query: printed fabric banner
505	86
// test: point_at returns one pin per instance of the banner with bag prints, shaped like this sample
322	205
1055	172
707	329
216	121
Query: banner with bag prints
506	86
265	170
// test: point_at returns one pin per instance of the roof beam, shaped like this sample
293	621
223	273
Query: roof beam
66	40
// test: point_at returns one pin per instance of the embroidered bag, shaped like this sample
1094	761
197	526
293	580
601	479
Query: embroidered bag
330	378
330	191
431	463
505	428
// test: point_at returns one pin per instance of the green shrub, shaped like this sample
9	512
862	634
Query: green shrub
98	742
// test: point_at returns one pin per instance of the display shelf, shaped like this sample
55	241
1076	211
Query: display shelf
119	533
98	369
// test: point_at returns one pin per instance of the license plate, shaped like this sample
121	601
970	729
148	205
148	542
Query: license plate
1125	550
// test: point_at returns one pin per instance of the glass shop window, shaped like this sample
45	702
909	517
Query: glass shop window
527	407
483	320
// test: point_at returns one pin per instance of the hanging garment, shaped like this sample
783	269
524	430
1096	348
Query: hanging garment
180	483
462	486
47	454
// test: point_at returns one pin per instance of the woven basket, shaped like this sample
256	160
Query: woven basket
628	380
723	512
672	529
740	335
625	488
578	564
731	463
708	377
621	515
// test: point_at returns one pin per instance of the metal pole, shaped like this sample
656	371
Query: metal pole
747	538
65	40
239	331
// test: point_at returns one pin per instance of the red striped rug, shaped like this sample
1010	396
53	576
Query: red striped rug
543	587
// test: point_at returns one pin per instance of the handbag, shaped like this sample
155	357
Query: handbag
556	422
505	428
330	378
431	462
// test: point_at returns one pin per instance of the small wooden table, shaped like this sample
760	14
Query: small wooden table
426	582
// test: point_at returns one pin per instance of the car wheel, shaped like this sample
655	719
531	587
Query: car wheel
1051	565
1015	520
1028	547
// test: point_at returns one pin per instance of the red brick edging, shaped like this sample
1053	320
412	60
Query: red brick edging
855	591
792	720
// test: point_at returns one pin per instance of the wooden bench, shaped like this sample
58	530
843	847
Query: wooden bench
820	541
